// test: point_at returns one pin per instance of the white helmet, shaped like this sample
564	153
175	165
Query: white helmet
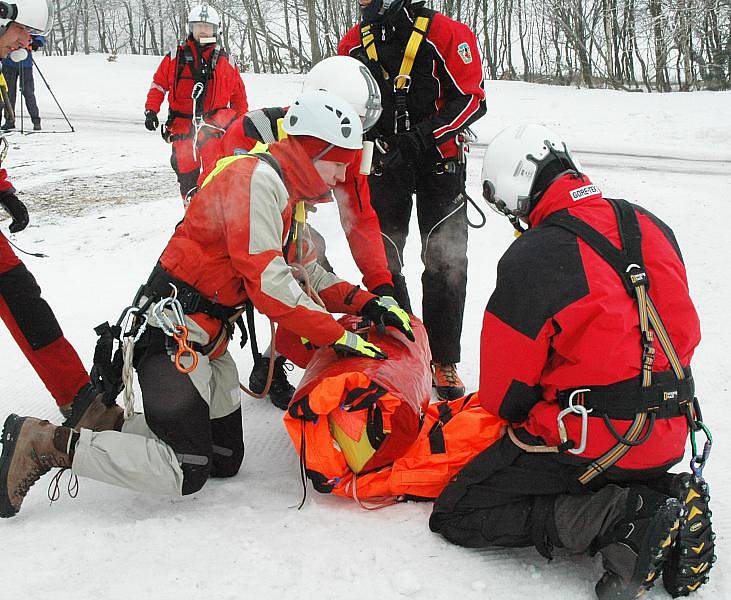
36	15
520	163
328	117
352	81
203	13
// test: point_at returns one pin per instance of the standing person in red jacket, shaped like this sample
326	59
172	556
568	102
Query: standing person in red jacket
430	74
26	314
586	348
205	93
233	245
351	81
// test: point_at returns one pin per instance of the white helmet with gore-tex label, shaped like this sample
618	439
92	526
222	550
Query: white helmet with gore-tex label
520	163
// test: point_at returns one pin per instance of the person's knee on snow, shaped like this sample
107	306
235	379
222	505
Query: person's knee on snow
179	416
228	445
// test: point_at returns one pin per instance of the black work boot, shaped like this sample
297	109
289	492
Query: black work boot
31	448
635	549
281	391
88	411
692	555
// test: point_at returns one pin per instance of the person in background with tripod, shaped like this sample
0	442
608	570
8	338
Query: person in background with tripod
19	65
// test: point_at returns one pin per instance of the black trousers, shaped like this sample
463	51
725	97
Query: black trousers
507	497
187	180
442	217
28	91
180	417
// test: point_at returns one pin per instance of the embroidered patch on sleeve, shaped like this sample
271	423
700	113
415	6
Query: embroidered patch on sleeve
465	53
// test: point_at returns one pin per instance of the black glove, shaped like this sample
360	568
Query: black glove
17	210
385	311
413	144
151	121
387	157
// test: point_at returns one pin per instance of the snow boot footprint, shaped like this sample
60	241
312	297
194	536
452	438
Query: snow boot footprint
693	554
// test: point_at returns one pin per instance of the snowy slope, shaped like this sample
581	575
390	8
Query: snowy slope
104	202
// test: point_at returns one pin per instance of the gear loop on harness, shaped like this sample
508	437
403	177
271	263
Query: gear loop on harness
175	328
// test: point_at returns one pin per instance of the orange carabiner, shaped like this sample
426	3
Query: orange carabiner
181	336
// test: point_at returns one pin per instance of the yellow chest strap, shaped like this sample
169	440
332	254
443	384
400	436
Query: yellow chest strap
421	27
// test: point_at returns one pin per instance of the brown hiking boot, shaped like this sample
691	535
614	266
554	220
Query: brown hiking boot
88	411
449	385
31	448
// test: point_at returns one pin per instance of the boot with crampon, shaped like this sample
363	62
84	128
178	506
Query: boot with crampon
635	550
693	553
31	448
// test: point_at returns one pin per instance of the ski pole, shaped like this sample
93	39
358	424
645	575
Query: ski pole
35	64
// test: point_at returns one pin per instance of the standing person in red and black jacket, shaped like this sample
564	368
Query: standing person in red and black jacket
27	316
430	74
586	348
197	68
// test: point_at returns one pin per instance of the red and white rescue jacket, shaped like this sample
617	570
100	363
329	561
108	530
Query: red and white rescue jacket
230	245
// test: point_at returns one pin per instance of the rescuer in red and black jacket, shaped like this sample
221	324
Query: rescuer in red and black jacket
586	348
197	68
28	317
430	74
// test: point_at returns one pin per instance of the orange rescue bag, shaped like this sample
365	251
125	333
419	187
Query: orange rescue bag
364	428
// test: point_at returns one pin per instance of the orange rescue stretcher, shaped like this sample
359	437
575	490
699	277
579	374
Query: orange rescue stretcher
365	429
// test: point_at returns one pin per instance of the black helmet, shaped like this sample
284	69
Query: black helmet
378	10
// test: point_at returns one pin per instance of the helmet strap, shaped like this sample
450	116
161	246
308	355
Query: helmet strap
323	153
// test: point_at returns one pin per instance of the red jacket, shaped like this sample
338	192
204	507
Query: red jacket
229	246
447	92
560	318
5	182
175	77
353	197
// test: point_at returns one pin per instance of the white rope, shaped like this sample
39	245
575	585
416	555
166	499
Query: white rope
128	377
128	349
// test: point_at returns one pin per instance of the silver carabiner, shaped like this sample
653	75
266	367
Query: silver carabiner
578	410
197	90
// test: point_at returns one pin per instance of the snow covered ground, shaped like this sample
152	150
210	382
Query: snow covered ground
103	202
